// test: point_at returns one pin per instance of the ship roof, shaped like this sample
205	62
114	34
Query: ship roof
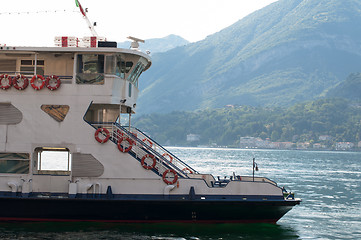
15	49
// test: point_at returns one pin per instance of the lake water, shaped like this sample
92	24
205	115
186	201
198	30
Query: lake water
329	184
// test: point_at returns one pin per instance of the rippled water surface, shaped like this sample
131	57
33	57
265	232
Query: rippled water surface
329	184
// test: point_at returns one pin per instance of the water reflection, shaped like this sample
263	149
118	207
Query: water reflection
328	182
144	231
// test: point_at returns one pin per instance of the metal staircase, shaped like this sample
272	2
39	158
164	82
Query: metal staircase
151	155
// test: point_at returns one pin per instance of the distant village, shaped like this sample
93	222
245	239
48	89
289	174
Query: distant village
325	142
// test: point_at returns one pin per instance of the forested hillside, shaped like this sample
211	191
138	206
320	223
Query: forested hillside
288	52
348	89
302	122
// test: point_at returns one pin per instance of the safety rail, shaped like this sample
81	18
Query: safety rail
64	78
258	179
160	149
141	147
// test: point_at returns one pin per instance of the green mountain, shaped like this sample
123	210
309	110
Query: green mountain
349	89
288	52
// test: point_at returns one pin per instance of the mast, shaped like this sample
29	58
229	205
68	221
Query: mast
90	25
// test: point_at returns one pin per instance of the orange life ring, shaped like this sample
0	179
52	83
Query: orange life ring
52	82
164	176
6	85
125	149
102	130
187	169
18	79
147	140
35	79
170	157
148	167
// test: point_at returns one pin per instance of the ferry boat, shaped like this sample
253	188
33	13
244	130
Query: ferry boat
69	100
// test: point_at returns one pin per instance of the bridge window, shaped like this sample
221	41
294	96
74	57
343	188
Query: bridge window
110	64
90	69
122	67
133	77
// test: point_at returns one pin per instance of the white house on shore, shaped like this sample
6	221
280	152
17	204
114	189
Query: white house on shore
193	137
344	145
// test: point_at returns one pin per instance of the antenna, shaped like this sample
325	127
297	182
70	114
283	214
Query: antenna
91	26
135	43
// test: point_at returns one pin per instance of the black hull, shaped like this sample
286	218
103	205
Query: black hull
106	210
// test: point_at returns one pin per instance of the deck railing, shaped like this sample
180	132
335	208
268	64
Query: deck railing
141	145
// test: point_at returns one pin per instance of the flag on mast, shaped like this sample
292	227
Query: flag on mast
77	3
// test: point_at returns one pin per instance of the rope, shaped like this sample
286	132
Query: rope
37	12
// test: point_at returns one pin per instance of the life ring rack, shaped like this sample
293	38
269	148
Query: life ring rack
19	78
8	84
50	79
144	165
170	156
149	142
101	131
164	176
187	169
124	149
37	78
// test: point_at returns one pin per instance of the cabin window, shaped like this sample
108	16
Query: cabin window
90	69
122	67
14	163
130	90
133	77
51	160
7	66
27	67
110	64
100	113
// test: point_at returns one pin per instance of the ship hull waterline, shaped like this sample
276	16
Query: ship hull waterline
142	211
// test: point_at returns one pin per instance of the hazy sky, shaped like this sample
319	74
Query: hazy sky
35	22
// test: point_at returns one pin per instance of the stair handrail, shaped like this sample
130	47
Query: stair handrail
114	127
157	145
162	160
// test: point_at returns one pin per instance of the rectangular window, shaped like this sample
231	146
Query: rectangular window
27	67
53	161
27	62
110	64
133	77
99	113
90	69
7	66
14	163
122	67
130	90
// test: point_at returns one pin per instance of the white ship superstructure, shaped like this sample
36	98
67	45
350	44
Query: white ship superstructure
69	100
